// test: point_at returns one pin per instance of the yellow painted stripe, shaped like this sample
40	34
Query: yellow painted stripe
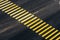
5	6
24	17
8	7
48	32
2	2
58	38
15	12
30	20
18	13
33	22
41	28
46	29
55	36
27	19
39	25
14	9
5	3
21	15
51	34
